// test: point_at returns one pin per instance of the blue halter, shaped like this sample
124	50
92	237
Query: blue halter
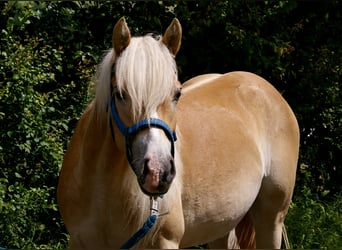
127	132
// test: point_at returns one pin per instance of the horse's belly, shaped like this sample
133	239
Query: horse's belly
206	231
210	215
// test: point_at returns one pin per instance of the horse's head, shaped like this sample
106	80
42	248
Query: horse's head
145	93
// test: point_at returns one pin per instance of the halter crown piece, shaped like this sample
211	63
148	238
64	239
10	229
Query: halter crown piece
128	132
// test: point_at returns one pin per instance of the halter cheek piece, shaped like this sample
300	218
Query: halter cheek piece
129	132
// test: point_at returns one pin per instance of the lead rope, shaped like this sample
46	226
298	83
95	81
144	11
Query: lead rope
151	220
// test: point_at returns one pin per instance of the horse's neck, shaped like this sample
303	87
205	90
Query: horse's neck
105	166
97	150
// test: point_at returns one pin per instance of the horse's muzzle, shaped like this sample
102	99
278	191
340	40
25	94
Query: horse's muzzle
157	175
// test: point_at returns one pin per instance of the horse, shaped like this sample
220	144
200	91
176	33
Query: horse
218	154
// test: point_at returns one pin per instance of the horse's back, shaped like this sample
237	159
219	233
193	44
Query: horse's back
238	101
240	98
234	128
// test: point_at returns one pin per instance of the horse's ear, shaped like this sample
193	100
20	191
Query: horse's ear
121	36
173	36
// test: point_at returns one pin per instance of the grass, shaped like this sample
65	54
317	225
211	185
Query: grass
313	223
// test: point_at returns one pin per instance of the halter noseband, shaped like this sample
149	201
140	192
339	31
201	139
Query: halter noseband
128	132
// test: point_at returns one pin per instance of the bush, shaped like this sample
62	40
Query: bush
35	114
313	223
25	214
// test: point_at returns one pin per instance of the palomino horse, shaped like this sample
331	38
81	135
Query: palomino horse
228	177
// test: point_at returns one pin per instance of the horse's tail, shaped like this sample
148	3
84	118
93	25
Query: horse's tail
245	233
285	238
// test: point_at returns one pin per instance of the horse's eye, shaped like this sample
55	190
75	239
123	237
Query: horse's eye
119	96
177	95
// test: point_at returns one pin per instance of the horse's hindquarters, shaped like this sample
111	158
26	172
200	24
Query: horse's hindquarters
227	126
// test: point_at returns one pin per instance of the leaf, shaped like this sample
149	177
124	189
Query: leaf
18	175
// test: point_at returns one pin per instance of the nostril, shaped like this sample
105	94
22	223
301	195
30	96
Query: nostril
146	168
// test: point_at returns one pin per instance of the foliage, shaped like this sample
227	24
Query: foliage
317	95
22	217
313	223
34	121
47	61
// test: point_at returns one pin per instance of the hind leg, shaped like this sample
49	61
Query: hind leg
268	214
228	241
220	243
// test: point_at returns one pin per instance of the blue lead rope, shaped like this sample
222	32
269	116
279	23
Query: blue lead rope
151	220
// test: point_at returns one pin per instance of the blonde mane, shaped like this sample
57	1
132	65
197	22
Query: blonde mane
103	85
145	71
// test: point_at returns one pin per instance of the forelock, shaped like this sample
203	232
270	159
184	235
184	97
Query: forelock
146	71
